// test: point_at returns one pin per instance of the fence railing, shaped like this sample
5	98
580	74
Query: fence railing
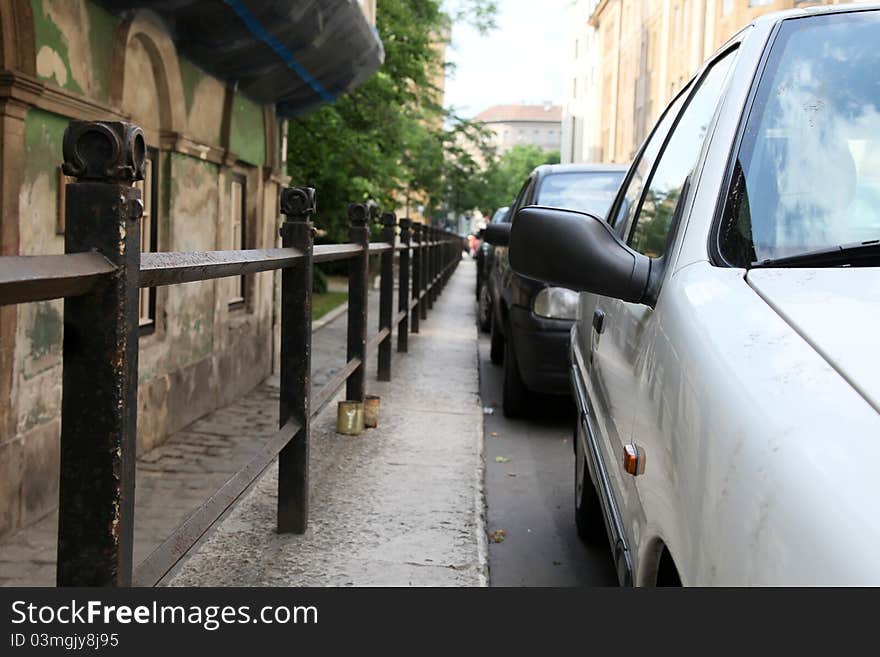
99	277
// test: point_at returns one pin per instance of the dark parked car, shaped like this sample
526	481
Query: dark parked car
531	321
484	300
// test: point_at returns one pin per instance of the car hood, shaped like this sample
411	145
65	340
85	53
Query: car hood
836	310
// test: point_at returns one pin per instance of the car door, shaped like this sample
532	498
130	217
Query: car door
621	332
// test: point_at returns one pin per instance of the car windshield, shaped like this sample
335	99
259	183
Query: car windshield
585	191
808	173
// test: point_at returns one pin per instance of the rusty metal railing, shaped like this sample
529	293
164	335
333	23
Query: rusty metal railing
99	277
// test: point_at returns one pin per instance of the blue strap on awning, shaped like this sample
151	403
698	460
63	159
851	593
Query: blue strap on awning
255	28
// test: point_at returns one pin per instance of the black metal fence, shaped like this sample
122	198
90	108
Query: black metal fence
99	277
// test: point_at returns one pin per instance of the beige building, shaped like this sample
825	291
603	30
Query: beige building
645	51
580	104
215	165
512	125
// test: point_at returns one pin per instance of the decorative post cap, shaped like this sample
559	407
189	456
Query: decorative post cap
104	151
405	223
388	219
298	201
358	213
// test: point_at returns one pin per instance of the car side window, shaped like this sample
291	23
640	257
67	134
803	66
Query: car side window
662	197
630	200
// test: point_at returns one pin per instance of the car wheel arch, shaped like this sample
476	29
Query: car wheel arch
658	567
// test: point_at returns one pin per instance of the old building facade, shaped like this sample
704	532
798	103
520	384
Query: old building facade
642	52
512	125
214	171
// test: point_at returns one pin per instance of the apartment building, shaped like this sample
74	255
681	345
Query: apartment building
511	125
639	54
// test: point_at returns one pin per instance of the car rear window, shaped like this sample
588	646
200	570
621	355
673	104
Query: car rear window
585	191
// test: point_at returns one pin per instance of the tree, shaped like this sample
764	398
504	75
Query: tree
504	176
384	140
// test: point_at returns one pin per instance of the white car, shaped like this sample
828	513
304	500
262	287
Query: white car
726	357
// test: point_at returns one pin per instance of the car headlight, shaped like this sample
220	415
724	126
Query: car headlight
556	303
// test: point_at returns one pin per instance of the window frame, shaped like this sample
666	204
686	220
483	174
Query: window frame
238	302
519	201
148	327
613	212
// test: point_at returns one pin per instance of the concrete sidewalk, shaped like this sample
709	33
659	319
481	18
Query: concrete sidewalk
399	505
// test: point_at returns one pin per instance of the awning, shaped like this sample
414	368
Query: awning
297	54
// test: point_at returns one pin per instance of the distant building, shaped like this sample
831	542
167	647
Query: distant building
580	107
538	125
644	52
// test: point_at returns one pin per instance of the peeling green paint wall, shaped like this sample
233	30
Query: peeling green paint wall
43	136
49	36
247	138
200	355
102	31
74	45
194	199
190	75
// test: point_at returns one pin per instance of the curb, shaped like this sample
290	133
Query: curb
329	317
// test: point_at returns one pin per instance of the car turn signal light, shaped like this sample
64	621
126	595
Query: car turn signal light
634	459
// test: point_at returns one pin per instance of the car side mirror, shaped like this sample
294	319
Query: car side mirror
578	251
497	234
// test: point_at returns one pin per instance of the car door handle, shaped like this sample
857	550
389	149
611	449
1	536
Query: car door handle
599	321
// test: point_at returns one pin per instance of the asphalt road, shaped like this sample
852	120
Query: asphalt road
530	494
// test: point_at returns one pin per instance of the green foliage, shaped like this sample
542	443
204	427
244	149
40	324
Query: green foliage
325	302
385	140
503	177
319	280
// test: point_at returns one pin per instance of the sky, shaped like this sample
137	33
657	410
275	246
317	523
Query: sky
519	61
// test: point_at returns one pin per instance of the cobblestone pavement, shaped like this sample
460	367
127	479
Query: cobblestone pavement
179	475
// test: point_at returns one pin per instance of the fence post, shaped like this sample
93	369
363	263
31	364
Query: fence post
429	283
358	233
297	204
416	276
100	361
444	258
403	287
438	266
424	237
450	255
386	296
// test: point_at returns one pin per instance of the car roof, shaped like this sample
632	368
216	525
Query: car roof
590	167
785	14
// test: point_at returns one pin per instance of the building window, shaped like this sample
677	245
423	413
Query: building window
149	229
726	7
238	234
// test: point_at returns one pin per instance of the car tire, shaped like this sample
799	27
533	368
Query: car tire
484	309
515	395
496	350
587	508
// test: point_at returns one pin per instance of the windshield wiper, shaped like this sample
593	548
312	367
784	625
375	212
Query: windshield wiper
858	254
